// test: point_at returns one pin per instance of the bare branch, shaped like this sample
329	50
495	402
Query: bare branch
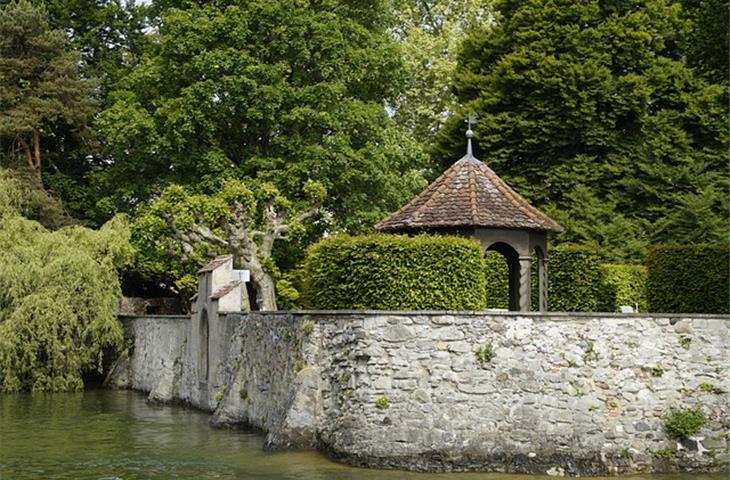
309	213
207	235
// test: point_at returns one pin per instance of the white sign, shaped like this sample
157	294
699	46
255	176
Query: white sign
242	275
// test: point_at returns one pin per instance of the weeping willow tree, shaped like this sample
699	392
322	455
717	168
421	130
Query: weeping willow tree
59	294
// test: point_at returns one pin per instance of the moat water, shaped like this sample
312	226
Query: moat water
117	435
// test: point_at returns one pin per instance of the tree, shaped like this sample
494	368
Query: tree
59	294
109	36
272	90
430	33
181	231
23	194
39	81
595	100
708	43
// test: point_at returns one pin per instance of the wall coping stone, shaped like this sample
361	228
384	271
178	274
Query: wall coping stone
471	313
153	317
544	316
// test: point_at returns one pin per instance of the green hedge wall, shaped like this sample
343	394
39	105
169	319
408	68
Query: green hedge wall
497	280
688	278
623	285
574	279
393	272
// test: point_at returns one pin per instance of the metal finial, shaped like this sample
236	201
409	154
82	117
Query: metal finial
470	120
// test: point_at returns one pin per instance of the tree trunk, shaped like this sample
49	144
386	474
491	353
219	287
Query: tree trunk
246	257
265	287
28	154
37	153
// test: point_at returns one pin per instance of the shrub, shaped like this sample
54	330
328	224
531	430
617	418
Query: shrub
688	278
682	423
497	280
575	279
622	285
393	272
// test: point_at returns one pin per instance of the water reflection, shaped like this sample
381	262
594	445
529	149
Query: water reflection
117	435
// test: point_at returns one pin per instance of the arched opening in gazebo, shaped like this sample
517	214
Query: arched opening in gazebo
512	259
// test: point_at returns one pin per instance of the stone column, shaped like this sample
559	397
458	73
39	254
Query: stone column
525	262
542	279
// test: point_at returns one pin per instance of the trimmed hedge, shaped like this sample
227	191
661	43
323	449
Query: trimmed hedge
623	285
393	272
496	274
574	279
688	278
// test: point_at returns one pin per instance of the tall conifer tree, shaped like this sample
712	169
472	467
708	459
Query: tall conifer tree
39	82
590	110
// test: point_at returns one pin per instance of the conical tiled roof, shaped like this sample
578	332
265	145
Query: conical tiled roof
468	194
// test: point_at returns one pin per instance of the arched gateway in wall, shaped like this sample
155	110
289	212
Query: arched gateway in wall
469	199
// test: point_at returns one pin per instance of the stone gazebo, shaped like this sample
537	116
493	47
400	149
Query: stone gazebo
469	199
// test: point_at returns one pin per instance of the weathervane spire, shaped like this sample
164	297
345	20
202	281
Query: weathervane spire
470	120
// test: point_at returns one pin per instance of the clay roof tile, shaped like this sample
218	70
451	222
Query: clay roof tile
468	194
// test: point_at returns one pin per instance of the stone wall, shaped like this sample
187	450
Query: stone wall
559	393
154	346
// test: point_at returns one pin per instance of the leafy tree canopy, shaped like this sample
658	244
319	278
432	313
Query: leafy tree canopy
59	295
22	194
430	33
180	231
708	43
590	110
280	91
106	36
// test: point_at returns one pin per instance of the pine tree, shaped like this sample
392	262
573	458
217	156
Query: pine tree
39	82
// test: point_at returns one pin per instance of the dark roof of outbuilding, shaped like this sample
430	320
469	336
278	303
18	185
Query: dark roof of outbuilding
215	263
225	290
468	194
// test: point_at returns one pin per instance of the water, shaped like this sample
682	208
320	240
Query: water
105	435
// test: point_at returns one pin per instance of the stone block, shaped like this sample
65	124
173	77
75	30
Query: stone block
398	333
448	333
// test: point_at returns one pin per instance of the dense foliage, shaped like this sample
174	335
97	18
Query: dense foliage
40	85
682	423
623	285
497	280
180	231
688	278
59	295
430	33
575	279
708	39
590	110
578	282
277	90
391	272
23	194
